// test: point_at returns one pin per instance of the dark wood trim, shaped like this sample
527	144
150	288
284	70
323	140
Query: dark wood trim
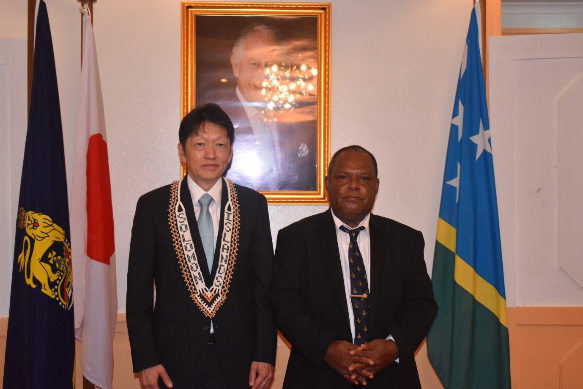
482	21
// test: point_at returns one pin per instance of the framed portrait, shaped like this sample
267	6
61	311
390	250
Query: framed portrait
267	65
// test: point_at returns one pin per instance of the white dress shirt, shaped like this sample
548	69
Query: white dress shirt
363	240
196	192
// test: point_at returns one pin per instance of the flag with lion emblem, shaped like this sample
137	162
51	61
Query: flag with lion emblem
40	345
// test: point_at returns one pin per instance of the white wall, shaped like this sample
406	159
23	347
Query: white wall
394	71
12	137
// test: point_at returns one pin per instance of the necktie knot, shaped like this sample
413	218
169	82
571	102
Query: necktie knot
205	200
352	233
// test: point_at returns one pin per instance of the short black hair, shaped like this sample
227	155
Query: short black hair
210	112
353	148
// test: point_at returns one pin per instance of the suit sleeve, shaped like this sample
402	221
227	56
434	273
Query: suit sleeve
262	257
289	298
419	308
140	288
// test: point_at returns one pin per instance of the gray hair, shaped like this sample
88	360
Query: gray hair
252	29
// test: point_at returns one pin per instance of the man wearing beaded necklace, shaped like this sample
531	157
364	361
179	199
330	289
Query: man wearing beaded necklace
351	291
200	265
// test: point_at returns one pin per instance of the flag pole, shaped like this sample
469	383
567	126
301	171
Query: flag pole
89	4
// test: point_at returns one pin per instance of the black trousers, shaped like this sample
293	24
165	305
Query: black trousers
211	377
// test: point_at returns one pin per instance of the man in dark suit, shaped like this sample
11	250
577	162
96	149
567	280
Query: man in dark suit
344	329
200	265
270	154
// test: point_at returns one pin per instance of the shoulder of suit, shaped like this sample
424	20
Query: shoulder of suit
161	192
310	222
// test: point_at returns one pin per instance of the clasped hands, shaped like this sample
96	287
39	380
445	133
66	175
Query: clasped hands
359	363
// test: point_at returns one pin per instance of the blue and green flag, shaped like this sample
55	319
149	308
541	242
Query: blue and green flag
40	344
468	343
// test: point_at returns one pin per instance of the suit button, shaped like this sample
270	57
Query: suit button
206	328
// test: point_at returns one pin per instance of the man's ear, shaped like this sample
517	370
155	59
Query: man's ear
181	153
234	65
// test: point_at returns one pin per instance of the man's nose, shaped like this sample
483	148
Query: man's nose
354	183
210	152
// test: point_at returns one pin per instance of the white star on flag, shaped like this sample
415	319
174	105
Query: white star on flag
459	120
455	182
482	141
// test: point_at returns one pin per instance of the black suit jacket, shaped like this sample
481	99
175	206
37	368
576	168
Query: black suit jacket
309	299
173	331
298	145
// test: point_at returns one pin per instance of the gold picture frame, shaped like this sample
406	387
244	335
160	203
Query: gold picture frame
288	98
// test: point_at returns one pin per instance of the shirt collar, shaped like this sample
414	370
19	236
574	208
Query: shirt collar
339	223
196	191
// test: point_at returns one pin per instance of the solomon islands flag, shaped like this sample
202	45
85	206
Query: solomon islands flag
40	345
468	343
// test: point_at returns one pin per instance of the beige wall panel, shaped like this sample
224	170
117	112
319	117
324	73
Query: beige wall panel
548	348
427	374
281	358
123	376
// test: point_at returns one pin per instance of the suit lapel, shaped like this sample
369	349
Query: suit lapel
378	253
329	243
186	200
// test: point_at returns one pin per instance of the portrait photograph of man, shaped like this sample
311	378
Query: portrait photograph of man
263	72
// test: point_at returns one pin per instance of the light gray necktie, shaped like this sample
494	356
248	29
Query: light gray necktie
205	228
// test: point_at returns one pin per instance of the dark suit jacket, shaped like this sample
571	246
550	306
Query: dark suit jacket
175	332
309	299
298	164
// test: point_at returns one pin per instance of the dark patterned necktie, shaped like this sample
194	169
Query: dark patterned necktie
359	294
